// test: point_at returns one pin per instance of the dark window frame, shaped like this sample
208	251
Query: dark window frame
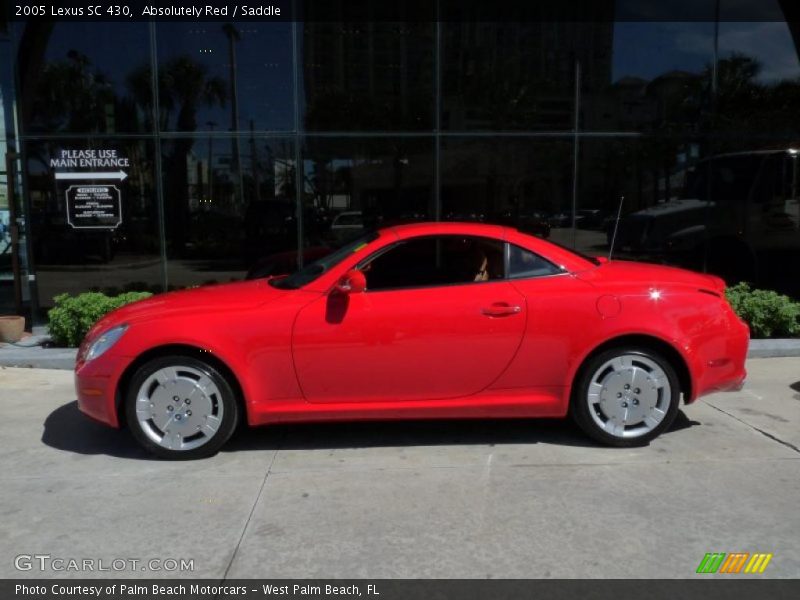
506	250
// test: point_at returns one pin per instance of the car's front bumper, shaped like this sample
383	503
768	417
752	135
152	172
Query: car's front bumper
96	386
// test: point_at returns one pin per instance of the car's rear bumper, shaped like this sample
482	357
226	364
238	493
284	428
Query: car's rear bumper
719	358
96	386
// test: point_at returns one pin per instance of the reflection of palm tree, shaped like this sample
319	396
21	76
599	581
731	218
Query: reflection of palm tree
184	85
743	103
32	47
71	95
140	90
233	35
737	73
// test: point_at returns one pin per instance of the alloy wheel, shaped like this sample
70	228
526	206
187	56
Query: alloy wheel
179	408
629	396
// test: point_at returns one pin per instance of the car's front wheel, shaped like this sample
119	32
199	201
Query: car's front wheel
180	407
626	396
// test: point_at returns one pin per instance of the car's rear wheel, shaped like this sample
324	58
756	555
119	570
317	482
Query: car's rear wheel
179	407
626	396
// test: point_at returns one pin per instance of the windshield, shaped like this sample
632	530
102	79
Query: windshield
313	270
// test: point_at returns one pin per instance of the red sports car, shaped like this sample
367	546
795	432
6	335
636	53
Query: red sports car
430	320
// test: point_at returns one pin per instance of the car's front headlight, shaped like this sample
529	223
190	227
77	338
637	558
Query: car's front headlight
100	345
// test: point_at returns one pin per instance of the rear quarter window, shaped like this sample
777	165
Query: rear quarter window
523	264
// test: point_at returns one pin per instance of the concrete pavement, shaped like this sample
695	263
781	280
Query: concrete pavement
413	499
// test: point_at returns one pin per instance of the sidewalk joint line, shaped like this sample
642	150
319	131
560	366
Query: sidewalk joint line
252	510
761	431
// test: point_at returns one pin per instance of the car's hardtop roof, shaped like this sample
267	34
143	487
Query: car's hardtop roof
447	227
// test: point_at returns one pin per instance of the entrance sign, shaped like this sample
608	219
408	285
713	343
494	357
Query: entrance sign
91	203
94	206
90	158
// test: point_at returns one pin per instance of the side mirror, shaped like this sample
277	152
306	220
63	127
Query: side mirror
353	282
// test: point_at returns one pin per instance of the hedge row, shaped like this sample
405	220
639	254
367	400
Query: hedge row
73	316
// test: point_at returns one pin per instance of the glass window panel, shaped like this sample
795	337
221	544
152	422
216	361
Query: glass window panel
225	77
509	75
354	184
367	76
522	182
84	78
652	77
76	253
230	208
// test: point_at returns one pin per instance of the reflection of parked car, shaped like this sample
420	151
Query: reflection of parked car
590	218
659	228
465	217
533	222
739	212
347	223
410	217
562	219
430	320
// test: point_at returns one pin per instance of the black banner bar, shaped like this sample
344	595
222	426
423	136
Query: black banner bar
719	588
399	10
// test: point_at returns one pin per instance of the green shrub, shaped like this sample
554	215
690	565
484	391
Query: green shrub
73	316
768	313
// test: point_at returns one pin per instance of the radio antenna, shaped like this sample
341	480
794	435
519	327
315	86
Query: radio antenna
616	226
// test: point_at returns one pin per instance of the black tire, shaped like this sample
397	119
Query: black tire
226	404
580	407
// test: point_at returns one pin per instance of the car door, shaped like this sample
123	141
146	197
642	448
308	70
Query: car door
413	334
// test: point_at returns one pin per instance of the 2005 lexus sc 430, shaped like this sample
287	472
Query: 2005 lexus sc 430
428	320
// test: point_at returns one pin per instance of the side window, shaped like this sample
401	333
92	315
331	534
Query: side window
523	263
433	261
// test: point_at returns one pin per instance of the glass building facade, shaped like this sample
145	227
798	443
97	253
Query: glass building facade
252	147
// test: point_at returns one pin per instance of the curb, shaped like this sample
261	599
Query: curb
64	358
38	357
773	348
